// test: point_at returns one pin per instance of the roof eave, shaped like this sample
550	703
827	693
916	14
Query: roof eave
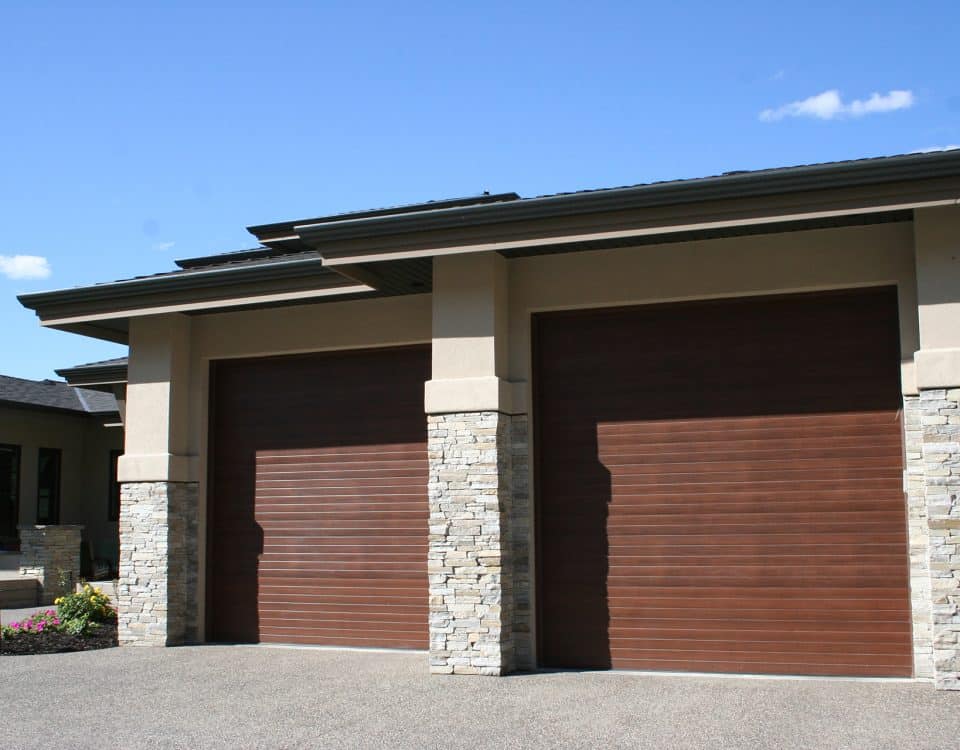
88	376
102	310
278	232
750	185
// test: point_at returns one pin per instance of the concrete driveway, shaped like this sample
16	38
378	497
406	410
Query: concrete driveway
236	696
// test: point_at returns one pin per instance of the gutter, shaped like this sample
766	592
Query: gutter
115	374
281	230
179	281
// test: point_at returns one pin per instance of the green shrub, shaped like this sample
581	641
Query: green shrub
84	610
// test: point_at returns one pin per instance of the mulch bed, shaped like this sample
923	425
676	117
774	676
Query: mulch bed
57	643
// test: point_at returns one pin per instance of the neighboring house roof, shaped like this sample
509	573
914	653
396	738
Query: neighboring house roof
54	395
387	252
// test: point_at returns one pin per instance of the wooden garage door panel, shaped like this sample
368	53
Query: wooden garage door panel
720	487
319	512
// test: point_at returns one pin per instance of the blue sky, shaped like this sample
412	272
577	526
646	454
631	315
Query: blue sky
132	134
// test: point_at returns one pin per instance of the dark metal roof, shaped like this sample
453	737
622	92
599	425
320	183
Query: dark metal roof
116	361
895	161
55	395
265	232
205	261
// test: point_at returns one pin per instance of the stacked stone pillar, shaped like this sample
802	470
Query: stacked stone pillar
469	563
157	589
940	417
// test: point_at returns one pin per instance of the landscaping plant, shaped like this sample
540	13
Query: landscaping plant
38	622
80	614
84	610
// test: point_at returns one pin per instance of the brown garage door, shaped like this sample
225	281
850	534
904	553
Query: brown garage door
720	487
318	521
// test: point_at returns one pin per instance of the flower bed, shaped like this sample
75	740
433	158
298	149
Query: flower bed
82	621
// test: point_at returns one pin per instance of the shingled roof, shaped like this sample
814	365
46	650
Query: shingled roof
55	395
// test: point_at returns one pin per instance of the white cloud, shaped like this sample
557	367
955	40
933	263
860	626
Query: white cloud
931	149
829	106
24	266
163	245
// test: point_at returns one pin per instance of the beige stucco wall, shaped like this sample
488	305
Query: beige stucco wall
98	442
157	398
937	236
85	446
470	335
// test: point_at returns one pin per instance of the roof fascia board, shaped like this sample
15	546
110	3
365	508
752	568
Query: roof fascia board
284	230
86	376
665	221
247	299
79	310
214	277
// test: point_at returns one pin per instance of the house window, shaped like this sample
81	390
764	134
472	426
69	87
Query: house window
113	502
9	495
48	486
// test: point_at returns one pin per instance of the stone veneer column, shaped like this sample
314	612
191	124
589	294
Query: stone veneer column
478	558
157	591
940	418
51	554
469	559
919	537
521	520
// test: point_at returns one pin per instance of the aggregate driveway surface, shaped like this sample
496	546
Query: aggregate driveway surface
243	697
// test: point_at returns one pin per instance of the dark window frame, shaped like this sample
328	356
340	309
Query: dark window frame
17	452
113	498
53	517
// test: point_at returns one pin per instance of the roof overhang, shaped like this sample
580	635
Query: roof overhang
101	376
283	235
103	310
815	193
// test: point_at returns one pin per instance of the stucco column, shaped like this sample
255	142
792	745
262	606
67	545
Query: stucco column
937	235
157	593
479	513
